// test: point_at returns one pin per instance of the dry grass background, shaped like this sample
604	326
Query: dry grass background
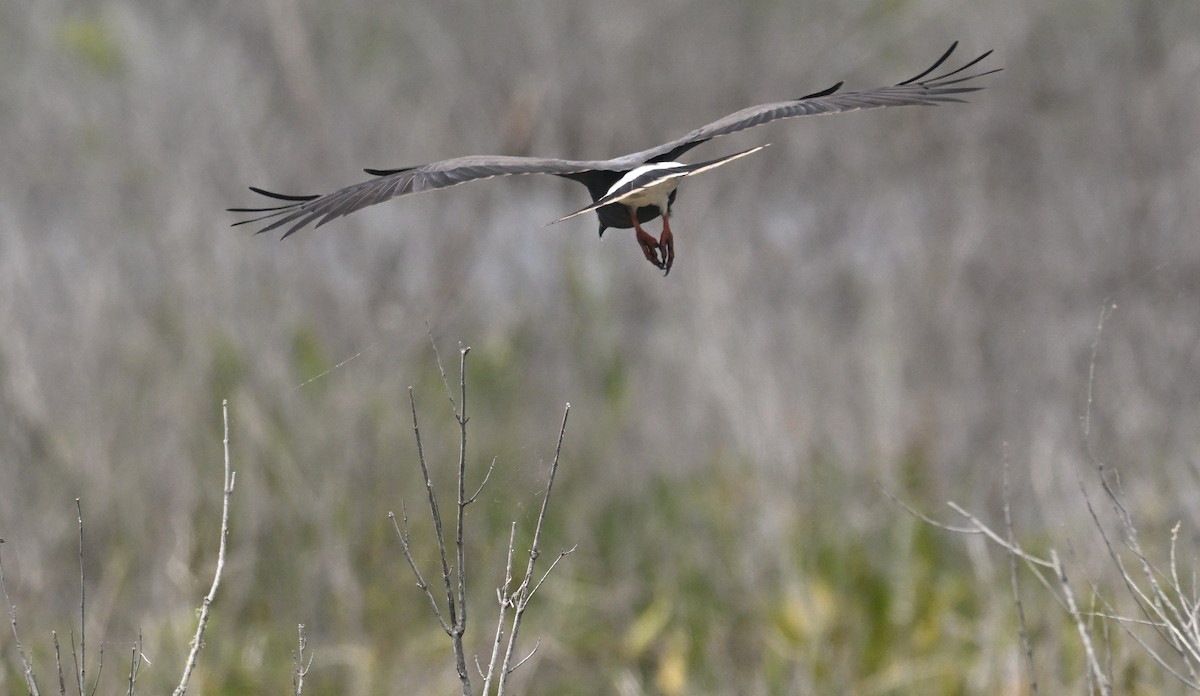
886	297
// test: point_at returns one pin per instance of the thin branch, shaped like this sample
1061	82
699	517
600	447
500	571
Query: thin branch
62	682
299	666
460	627
1105	311
561	555
1084	636
135	664
537	644
504	599
486	477
437	356
75	658
434	510
523	591
205	607
988	532
404	546
1150	607
99	671
925	518
82	665
453	627
1013	581
454	575
26	666
1122	622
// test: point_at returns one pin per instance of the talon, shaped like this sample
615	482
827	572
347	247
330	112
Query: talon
649	245
666	244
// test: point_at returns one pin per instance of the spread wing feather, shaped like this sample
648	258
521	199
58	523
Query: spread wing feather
298	211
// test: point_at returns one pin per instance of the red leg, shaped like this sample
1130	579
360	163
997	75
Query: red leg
649	244
666	244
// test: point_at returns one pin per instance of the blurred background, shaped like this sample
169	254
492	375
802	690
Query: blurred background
900	299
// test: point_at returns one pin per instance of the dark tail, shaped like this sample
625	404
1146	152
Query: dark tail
598	182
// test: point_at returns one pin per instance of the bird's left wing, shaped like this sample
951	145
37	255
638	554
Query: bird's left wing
299	211
916	91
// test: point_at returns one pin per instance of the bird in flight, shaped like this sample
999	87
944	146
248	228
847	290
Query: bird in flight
628	190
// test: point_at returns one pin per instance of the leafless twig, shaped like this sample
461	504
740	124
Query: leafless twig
518	601
62	682
1084	635
454	578
1166	607
135	663
299	666
26	666
205	607
1016	587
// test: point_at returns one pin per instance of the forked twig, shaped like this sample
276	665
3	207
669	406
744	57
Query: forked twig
135	664
454	575
455	625
524	591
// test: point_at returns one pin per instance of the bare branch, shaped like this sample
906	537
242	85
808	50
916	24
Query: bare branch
299	666
504	599
925	518
1013	581
525	659
1190	683
486	478
404	545
561	555
1000	541
26	666
135	664
206	606
82	664
99	671
1105	311
523	590
62	683
460	626
1084	637
512	602
75	658
437	356
455	592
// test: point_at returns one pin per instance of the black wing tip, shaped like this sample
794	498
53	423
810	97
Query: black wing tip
919	79
823	93
387	172
265	213
282	196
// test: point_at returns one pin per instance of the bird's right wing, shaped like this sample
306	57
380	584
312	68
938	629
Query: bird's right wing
915	91
299	211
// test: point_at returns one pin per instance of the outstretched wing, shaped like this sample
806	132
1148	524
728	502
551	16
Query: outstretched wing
915	91
298	211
